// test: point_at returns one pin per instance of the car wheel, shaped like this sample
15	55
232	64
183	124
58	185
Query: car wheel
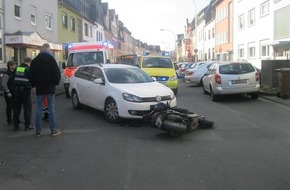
255	95
204	91
213	96
75	100
201	82
111	111
175	91
66	92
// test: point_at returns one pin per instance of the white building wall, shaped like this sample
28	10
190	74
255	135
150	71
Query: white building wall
256	35
200	40
209	43
100	33
42	7
91	33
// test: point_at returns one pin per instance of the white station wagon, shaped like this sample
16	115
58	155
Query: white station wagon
231	78
120	91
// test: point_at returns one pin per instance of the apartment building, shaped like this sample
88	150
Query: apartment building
253	30
200	38
281	38
209	33
224	30
27	25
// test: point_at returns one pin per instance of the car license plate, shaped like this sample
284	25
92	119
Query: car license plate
242	81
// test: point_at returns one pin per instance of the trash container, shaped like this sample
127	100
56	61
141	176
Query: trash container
284	82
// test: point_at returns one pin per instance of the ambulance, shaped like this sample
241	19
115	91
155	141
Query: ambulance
83	53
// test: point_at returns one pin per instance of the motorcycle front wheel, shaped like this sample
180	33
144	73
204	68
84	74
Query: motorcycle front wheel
173	127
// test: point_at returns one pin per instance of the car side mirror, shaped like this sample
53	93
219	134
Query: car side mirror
108	61
99	81
63	65
206	74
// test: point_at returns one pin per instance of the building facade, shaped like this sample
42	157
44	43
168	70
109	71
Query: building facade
27	25
2	44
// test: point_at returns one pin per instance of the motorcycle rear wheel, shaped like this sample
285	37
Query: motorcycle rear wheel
173	127
205	123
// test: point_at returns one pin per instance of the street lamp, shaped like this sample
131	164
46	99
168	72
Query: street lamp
174	35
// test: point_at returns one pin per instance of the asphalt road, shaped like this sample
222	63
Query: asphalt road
247	149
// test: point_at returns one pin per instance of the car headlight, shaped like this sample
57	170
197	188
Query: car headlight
131	97
173	78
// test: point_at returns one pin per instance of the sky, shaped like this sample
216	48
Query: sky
145	18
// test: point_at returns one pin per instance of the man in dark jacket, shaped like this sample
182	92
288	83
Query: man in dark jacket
44	76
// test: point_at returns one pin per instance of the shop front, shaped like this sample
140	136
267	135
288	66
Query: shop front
27	44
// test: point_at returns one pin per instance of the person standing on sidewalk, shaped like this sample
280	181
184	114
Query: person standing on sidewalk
22	95
45	75
8	87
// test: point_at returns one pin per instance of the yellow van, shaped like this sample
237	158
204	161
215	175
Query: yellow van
162	69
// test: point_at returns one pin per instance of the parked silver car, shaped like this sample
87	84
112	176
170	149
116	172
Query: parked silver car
231	78
194	75
183	68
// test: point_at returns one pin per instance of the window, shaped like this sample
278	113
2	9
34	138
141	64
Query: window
241	21
64	20
209	53
213	53
91	31
97	73
251	16
17	11
208	34
265	52
33	15
241	51
264	8
33	19
251	50
73	24
213	33
48	21
86	30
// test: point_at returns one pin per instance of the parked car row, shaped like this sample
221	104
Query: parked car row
124	91
224	78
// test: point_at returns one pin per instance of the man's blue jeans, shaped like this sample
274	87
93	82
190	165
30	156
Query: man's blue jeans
39	110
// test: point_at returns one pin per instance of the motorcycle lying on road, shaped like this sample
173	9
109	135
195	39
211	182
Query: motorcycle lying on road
176	121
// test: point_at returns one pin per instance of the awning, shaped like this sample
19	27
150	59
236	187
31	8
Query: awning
281	44
29	39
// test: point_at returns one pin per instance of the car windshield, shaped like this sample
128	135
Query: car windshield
157	62
236	68
127	75
85	58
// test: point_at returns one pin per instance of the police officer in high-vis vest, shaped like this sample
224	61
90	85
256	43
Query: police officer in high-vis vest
22	95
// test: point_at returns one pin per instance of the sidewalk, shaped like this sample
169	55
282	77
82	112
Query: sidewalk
272	96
